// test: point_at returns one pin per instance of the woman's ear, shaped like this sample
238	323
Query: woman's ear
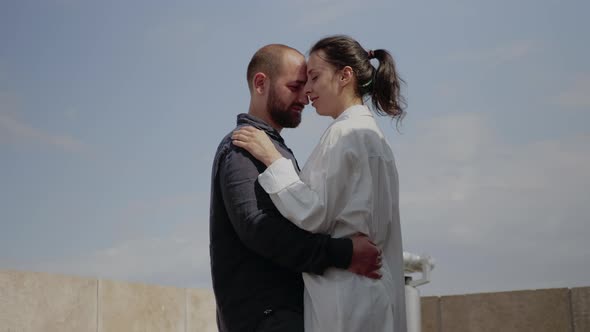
259	82
346	75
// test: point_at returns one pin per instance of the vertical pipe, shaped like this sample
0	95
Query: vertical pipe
413	315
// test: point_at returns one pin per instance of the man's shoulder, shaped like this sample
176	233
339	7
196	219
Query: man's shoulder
230	155
224	144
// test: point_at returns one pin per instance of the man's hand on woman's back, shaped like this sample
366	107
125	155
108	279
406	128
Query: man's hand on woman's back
366	257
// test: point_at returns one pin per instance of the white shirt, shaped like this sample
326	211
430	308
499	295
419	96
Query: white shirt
348	185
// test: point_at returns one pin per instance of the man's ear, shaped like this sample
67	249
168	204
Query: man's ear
346	75
259	82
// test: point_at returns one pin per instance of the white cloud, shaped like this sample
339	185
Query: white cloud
576	95
178	256
482	206
15	130
503	53
178	260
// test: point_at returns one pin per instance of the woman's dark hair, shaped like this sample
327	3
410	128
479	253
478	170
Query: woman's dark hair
382	84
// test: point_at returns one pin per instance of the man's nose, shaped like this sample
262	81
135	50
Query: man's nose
302	98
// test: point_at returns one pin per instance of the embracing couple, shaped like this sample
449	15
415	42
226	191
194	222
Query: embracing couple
316	249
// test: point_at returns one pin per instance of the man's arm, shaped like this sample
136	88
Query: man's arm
261	227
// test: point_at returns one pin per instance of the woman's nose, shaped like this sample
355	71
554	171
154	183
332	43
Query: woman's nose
307	88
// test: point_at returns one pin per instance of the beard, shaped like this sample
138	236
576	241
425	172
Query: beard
281	113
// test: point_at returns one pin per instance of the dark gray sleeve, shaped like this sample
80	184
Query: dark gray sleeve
264	230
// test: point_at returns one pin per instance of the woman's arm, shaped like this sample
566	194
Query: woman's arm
311	206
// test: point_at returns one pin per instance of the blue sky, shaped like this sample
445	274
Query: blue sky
110	114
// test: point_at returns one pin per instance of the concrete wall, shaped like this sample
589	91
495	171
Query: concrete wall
545	310
46	303
40	302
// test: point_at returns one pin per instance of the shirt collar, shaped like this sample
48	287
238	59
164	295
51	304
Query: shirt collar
245	119
355	110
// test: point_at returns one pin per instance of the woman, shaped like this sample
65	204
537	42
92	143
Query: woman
348	185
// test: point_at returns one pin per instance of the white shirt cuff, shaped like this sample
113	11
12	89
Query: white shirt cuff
279	175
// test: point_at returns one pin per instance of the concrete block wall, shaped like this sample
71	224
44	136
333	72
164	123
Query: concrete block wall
40	302
544	310
580	298
44	302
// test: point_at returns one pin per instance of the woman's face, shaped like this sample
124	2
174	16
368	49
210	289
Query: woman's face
322	87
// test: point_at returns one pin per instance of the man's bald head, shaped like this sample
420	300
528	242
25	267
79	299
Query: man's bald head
268	60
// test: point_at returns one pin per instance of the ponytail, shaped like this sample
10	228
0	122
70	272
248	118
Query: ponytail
385	89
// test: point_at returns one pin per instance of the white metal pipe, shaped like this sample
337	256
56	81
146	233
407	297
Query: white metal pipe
413	314
415	263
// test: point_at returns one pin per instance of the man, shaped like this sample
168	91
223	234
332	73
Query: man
257	256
